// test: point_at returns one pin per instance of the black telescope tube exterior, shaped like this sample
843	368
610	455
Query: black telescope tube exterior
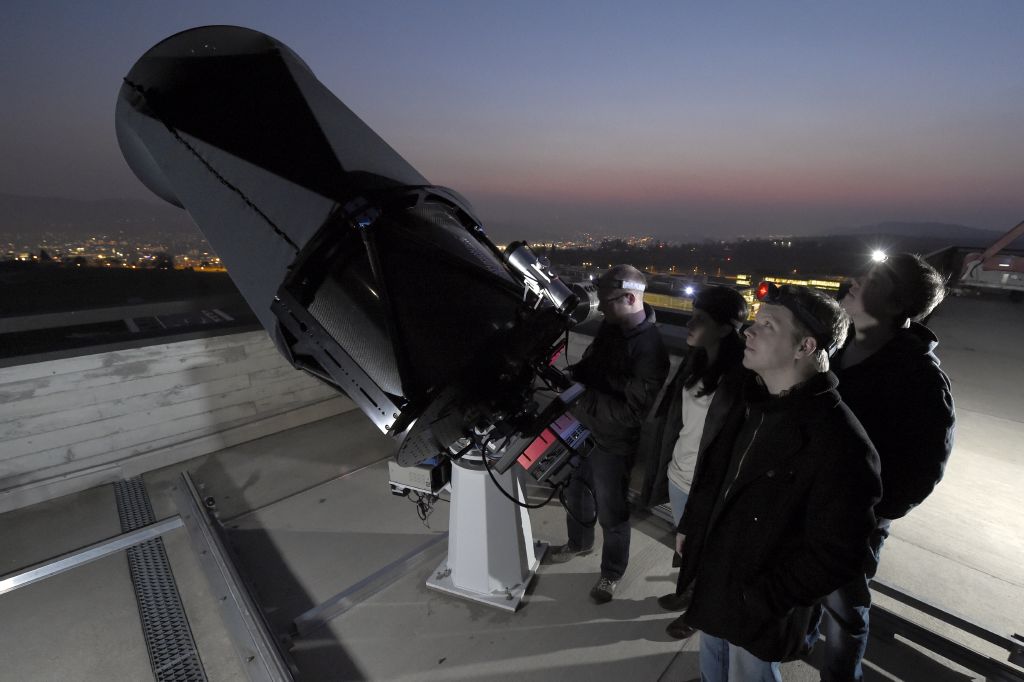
364	274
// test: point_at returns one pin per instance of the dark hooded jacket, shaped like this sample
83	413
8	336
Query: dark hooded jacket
801	479
903	401
623	371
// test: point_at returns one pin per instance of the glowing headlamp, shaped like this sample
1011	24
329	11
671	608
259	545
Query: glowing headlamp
621	284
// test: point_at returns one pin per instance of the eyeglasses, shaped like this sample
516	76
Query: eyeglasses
771	293
612	299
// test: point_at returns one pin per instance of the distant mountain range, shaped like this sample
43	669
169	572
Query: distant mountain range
959	235
32	215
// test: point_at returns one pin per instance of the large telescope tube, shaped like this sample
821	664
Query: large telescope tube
364	274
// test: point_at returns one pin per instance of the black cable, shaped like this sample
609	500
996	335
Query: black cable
524	505
487	466
424	505
551	387
458	455
559	488
568	508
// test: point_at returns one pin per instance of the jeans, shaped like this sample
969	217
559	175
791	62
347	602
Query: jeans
608	476
846	626
677	498
721	661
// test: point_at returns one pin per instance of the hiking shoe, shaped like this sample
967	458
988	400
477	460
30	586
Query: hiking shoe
675	602
603	590
677	629
559	555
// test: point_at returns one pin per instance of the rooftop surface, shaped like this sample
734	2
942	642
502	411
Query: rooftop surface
309	515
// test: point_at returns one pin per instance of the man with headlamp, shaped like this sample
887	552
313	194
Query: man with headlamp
889	376
780	510
623	370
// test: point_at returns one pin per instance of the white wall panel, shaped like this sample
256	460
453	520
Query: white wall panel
66	425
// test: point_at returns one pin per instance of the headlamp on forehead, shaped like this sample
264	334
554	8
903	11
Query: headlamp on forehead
622	284
771	293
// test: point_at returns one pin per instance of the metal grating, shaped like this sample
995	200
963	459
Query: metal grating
172	650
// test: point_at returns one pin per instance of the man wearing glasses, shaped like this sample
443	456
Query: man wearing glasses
889	376
622	370
780	511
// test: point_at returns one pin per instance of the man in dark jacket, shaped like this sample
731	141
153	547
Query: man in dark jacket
780	511
889	376
622	370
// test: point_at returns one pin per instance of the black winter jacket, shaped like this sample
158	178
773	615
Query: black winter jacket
903	401
795	524
623	372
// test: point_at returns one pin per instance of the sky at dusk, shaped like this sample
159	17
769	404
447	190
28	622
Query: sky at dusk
678	119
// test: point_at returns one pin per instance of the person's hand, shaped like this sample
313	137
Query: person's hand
680	538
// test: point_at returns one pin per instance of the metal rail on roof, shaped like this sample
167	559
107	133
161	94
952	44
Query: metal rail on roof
65	562
258	650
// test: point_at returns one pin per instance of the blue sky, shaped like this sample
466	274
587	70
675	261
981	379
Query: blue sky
671	118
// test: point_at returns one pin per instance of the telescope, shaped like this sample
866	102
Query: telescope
365	275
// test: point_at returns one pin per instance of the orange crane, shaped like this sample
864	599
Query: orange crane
990	270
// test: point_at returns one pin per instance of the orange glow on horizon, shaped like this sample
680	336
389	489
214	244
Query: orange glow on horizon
806	186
